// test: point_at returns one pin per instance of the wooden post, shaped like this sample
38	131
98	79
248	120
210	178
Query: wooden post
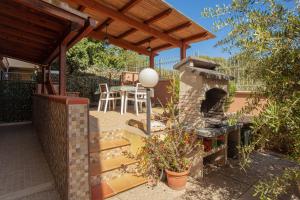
151	62
43	79
62	66
183	51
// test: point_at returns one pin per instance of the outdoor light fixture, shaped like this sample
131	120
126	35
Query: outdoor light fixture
148	77
149	47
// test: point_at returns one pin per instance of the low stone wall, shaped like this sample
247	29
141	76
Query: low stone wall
240	101
62	126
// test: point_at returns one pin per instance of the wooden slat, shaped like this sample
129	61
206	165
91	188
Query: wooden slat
195	37
101	9
124	9
72	38
159	48
119	42
25	35
159	16
30	17
148	21
19	40
169	31
62	68
50	9
178	27
126	33
23	25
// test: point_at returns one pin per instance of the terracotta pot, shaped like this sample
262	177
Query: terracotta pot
177	180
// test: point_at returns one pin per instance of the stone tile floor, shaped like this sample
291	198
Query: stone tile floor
24	172
114	120
225	183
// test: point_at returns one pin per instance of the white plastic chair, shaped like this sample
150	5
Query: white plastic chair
107	96
138	97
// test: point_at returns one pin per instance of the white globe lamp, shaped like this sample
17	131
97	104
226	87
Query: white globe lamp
148	77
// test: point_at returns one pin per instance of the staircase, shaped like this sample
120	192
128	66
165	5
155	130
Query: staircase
107	164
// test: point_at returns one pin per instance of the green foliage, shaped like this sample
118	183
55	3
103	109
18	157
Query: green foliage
231	93
276	186
173	151
16	100
91	56
265	34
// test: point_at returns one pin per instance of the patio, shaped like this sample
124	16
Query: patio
228	183
27	176
24	172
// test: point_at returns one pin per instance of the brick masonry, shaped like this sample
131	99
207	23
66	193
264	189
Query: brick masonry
62	128
192	92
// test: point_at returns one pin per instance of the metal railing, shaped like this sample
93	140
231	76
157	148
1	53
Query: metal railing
18	76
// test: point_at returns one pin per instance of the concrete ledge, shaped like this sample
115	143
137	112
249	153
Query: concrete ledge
64	99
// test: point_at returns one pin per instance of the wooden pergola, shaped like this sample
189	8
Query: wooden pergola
144	26
39	31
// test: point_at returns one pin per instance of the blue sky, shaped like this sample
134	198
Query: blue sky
192	9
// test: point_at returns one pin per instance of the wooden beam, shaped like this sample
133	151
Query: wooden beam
169	31
25	35
126	33
119	42
19	56
18	40
159	48
55	11
62	69
124	9
25	26
101	9
81	8
72	38
151	60
195	37
31	17
88	28
148	21
183	52
148	39
43	80
159	16
178	28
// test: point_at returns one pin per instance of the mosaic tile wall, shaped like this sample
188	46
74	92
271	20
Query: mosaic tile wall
63	133
78	152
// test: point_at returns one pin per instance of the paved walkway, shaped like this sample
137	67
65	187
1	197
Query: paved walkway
24	172
226	183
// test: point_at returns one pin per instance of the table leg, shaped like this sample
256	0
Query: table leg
122	102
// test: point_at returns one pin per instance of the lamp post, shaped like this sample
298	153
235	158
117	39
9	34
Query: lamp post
148	77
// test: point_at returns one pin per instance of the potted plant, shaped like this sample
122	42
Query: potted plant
171	153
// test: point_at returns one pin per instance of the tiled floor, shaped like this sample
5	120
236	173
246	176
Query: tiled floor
23	168
114	120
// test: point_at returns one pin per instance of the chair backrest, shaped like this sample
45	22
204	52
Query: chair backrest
140	91
103	87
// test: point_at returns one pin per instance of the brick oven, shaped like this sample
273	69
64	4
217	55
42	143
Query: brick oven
203	92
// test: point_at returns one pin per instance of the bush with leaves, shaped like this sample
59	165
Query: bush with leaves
265	34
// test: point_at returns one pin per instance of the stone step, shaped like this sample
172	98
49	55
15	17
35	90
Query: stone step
115	186
110	164
108	144
106	135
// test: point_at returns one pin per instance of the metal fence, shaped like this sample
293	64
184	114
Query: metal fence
242	78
